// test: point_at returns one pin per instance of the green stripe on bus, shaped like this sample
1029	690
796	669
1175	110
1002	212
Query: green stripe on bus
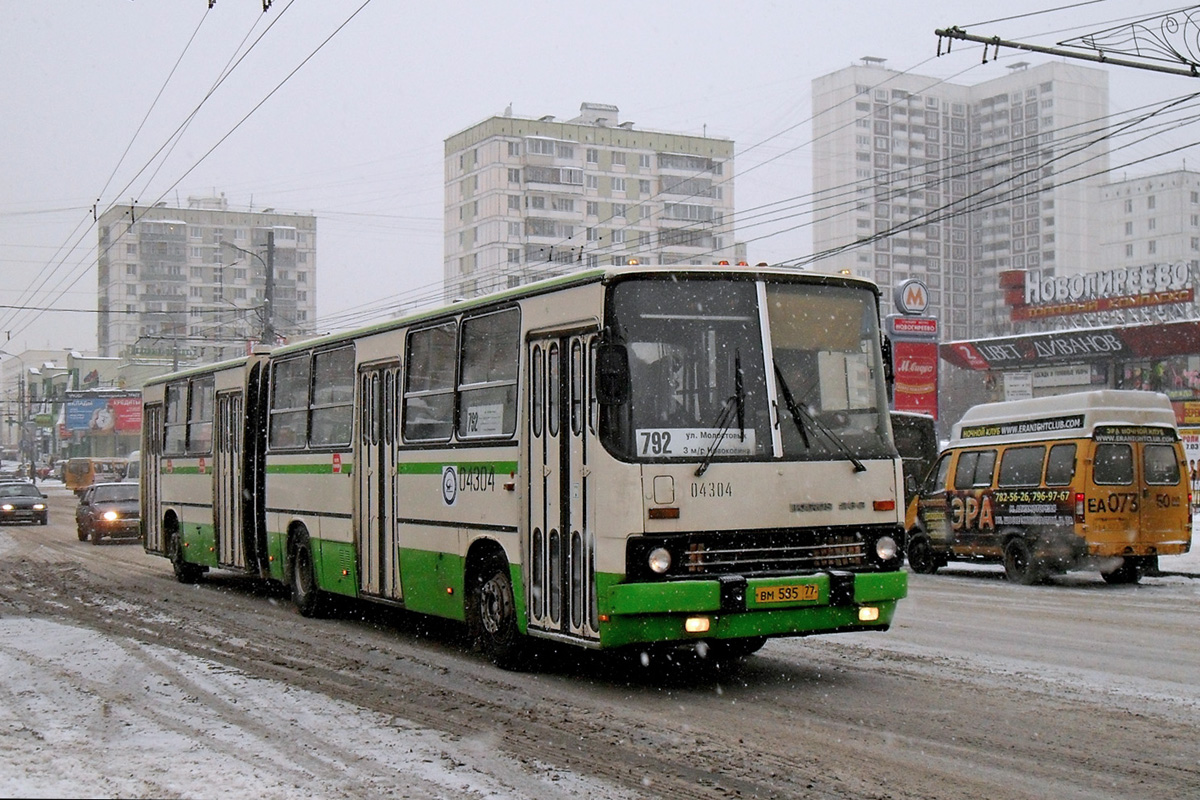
308	469
436	467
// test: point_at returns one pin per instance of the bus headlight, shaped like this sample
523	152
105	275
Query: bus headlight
885	548
659	560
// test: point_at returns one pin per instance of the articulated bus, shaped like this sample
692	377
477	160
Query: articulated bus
622	457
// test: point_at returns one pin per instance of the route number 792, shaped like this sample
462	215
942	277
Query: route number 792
656	443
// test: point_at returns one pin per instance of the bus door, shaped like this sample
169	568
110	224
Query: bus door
1163	509
227	481
375	463
151	479
561	592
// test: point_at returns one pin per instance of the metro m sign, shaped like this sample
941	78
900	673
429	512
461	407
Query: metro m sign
911	297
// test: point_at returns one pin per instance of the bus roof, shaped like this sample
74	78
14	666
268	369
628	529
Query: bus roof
1062	416
601	274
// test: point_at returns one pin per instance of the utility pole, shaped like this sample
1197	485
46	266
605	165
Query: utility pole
268	327
268	335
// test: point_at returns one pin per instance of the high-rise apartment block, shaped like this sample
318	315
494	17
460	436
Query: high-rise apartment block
191	283
955	184
530	198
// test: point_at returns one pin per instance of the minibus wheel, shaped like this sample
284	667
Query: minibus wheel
1130	571
1020	564
920	555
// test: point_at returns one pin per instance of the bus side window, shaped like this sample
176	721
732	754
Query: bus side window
429	383
1060	466
974	469
1021	466
964	473
936	480
984	468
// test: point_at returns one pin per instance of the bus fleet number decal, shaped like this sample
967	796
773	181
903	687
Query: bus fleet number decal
712	489
466	478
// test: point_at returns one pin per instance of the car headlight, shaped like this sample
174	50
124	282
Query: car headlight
659	560
885	548
111	516
7	506
39	506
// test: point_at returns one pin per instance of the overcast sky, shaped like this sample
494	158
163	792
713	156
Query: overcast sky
340	109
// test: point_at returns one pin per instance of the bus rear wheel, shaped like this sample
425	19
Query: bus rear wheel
305	593
1020	564
185	572
493	615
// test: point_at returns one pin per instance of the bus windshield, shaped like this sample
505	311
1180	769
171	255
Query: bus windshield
705	375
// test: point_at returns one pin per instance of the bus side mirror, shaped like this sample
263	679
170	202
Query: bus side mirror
612	374
889	372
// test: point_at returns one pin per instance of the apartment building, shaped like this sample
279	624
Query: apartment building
531	198
955	184
191	284
1151	219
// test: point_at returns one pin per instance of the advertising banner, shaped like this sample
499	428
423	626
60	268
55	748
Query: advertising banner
105	414
916	365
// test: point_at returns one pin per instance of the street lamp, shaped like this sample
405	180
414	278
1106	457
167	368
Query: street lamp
268	331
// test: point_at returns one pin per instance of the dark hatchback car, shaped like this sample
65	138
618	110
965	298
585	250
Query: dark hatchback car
109	510
21	501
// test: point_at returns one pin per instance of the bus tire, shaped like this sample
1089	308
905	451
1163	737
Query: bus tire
1020	564
920	555
185	572
492	613
306	594
1130	571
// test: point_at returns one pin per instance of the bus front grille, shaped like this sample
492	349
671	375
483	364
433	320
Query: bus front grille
786	551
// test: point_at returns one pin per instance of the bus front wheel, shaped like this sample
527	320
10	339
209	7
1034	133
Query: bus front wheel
1020	564
494	615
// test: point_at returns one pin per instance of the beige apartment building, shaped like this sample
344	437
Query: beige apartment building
531	198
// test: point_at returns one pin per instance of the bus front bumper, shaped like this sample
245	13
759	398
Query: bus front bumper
732	607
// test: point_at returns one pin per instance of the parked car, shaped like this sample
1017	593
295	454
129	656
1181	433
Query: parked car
108	510
21	501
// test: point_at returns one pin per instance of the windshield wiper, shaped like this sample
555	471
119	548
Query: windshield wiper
735	403
800	415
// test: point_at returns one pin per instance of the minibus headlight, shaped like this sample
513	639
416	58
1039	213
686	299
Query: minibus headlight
885	548
659	560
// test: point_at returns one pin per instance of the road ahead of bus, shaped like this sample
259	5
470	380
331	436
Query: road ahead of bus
119	681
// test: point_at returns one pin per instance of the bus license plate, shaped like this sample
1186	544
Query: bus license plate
788	593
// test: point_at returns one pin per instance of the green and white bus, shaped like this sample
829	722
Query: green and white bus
631	456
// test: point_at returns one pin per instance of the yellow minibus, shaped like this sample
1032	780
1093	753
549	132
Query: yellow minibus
1090	480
